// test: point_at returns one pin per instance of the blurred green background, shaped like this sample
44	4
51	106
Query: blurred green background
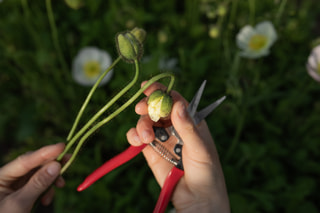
267	131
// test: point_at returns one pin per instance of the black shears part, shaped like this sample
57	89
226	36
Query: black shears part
178	149
161	134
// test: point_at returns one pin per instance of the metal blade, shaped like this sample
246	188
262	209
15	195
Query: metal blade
199	116
193	105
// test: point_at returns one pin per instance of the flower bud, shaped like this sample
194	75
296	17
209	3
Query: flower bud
74	4
222	10
214	31
129	44
139	34
159	105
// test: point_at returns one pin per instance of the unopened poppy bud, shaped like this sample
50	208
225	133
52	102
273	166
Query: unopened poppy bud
214	31
139	34
129	46
159	105
75	4
222	10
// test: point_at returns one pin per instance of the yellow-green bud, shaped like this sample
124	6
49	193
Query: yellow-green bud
159	105
74	4
214	31
139	33
129	44
222	10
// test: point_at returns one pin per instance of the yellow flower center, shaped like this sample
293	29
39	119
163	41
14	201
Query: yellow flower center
257	42
92	69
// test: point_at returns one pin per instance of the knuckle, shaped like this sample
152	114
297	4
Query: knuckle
40	181
189	127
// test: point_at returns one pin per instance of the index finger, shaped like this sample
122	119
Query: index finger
25	163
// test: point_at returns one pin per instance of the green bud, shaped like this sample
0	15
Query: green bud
74	4
222	10
129	44
214	31
159	105
139	34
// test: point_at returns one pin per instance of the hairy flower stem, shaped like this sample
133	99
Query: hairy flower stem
100	112
115	113
85	103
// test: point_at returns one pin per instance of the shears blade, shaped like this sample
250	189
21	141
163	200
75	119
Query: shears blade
199	116
193	105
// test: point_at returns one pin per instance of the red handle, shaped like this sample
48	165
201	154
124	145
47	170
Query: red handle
165	195
110	165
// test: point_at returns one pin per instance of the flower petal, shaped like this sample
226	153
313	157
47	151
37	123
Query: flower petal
266	28
89	54
313	64
249	39
243	37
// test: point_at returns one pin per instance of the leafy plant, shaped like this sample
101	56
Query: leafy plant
267	131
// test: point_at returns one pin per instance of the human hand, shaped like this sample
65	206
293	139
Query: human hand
23	180
203	186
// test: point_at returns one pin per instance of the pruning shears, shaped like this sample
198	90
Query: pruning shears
170	150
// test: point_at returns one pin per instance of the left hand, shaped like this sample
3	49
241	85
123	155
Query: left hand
25	179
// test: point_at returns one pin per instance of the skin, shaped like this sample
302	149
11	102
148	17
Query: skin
203	186
25	179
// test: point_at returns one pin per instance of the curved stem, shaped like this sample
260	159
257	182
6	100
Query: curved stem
171	83
54	34
85	103
100	112
115	113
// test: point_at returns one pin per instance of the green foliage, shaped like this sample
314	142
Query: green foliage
267	131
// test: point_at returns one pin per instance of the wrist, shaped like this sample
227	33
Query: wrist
208	206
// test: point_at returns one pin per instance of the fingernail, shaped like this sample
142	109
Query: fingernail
182	112
136	139
146	136
138	108
53	169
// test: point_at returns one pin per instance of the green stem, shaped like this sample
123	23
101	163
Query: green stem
115	113
25	8
233	12
54	34
234	87
85	103
100	112
252	11
170	86
235	64
236	137
280	11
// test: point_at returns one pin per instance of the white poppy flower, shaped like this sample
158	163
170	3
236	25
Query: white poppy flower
313	65
89	64
256	42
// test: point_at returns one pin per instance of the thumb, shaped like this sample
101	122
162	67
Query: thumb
195	146
184	125
38	184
